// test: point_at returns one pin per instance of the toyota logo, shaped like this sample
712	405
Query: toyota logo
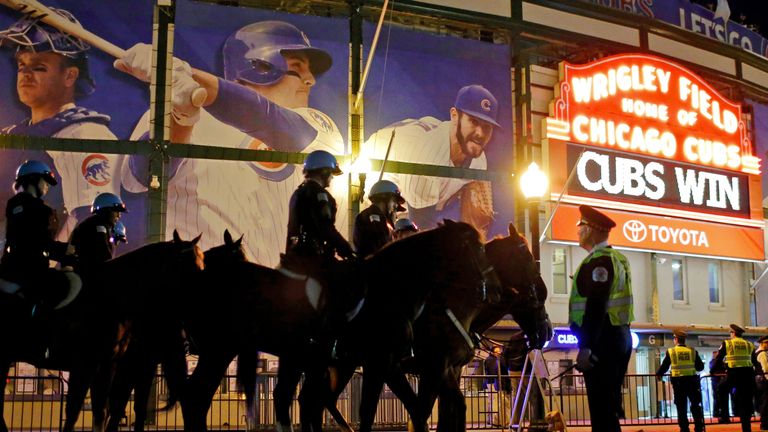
635	231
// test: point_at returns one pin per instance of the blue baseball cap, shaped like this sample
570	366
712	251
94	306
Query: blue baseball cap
477	101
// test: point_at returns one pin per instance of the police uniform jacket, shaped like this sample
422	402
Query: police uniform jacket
92	240
31	227
667	362
373	230
311	223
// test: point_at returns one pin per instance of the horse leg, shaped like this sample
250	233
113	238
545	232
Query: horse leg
373	383
288	376
452	408
99	394
201	387
400	386
339	377
5	367
142	385
247	377
311	397
79	381
429	387
120	391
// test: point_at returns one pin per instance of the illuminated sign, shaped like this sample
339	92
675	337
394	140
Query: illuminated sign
659	233
566	339
652	181
650	106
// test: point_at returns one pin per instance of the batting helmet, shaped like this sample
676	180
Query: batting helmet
320	159
255	53
386	187
108	201
119	233
35	168
405	224
30	33
477	101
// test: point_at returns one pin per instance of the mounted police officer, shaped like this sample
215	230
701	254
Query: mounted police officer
404	227
374	226
600	311
684	363
93	238
312	213
741	363
31	226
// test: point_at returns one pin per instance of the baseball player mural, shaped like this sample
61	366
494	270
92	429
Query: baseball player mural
56	82
457	114
261	102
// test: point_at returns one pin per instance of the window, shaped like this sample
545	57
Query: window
678	282
714	282
559	272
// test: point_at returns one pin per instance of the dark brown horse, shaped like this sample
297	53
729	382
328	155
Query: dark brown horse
444	343
280	314
84	337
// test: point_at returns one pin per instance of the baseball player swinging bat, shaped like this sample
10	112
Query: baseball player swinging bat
38	10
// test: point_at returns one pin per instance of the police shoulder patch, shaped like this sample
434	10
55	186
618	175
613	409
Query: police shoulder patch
322	196
17	209
374	218
101	229
600	274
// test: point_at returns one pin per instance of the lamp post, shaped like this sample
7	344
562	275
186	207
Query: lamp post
534	184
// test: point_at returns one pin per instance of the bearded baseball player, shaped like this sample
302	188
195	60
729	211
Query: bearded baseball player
52	73
458	142
260	103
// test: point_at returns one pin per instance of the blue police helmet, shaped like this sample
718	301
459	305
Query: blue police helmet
36	168
119	233
386	187
405	224
478	102
321	159
108	201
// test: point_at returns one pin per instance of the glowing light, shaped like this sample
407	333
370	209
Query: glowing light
534	182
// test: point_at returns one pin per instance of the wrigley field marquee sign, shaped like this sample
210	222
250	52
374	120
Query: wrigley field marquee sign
651	139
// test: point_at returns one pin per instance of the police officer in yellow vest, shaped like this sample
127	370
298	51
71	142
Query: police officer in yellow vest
684	362
741	363
600	310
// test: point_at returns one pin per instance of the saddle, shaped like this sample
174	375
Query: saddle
74	286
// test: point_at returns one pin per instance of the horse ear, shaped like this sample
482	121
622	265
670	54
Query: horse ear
448	222
176	237
227	237
239	241
197	239
512	230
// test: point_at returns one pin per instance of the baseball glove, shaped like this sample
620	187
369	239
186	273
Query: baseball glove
477	205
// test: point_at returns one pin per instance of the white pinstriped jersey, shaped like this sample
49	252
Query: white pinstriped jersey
85	175
251	198
425	141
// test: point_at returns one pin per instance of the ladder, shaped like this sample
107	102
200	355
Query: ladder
539	373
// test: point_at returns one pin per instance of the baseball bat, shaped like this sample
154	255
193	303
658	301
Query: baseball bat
38	10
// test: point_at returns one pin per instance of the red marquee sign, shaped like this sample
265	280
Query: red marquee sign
648	105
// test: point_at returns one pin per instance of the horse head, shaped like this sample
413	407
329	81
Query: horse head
466	242
524	291
227	253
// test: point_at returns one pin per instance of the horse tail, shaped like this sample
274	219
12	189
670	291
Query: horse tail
175	372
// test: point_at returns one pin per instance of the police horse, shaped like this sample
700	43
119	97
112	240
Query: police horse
444	342
262	309
85	336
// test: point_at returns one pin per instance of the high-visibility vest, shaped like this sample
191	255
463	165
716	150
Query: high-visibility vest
682	359
738	353
620	309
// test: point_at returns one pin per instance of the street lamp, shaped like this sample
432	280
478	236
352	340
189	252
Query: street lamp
534	184
361	166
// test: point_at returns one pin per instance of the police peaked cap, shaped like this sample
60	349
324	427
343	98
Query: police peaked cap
738	330
595	219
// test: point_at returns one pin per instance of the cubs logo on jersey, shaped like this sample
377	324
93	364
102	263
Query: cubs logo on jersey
274	171
96	170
